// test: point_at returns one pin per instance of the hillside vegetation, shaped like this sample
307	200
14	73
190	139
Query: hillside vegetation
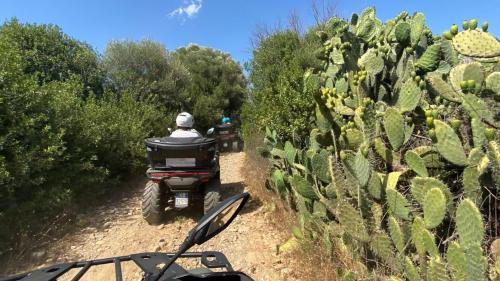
389	153
72	122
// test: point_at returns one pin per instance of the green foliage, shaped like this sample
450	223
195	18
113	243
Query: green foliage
382	247
216	85
403	33
469	224
146	70
73	125
438	270
319	164
390	90
303	187
396	233
429	61
409	96
416	163
394	127
276	73
47	54
434	207
456	262
398	204
353	223
476	43
449	145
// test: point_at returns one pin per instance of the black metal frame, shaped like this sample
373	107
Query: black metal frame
149	263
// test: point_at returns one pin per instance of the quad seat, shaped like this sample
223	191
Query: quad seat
169	153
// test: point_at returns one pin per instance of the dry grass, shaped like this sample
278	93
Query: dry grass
308	263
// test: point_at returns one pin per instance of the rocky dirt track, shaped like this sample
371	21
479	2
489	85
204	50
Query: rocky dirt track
119	229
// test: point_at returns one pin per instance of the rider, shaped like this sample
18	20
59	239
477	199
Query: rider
226	120
184	123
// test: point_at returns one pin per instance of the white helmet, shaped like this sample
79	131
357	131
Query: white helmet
185	120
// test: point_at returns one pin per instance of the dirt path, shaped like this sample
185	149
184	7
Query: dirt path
118	229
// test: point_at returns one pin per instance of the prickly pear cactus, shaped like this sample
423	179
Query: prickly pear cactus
405	159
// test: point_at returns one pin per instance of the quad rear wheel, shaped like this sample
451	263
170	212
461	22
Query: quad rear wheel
212	194
153	203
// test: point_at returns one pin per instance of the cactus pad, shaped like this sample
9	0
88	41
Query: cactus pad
290	152
382	247
420	186
443	89
403	33
429	61
391	180
477	107
434	207
361	168
417	229
409	96
394	125
319	209
449	53
303	187
469	224
397	235
417	27
456	262
354	138
398	204
493	82
353	224
471	184
367	26
475	43
278	153
449	145
461	72
372	62
476	263
438	269
319	164
278	180
410	271
389	156
429	243
416	163
341	85
375	186
477	128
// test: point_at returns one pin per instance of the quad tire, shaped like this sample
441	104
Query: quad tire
153	203
212	194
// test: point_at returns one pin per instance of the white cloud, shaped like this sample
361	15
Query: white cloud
190	9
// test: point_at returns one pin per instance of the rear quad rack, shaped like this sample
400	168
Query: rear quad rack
149	263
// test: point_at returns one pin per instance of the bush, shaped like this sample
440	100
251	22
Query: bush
57	138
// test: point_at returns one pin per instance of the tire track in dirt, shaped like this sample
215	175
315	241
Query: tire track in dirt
119	229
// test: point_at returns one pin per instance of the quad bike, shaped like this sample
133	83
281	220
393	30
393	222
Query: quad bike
228	138
161	266
183	171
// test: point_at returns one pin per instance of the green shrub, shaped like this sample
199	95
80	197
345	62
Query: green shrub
57	138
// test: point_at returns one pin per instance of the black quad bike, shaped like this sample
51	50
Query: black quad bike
161	266
182	171
228	138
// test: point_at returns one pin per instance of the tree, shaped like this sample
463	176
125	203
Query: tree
57	139
276	99
50	55
147	70
216	84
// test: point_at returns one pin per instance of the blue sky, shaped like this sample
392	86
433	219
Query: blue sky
223	24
